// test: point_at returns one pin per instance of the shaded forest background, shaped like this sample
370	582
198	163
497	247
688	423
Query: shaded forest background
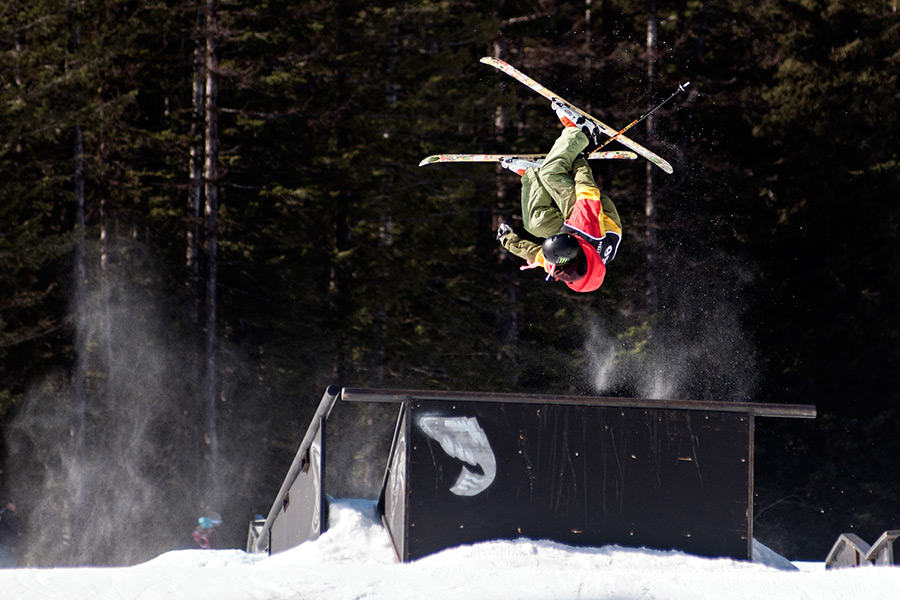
171	312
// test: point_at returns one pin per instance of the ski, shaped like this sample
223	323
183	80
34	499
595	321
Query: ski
606	129
456	158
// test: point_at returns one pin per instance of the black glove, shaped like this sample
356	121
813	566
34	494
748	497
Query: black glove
609	245
502	231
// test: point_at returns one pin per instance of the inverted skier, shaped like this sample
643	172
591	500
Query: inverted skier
562	204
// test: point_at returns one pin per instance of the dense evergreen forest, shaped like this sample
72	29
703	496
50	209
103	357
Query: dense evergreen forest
210	211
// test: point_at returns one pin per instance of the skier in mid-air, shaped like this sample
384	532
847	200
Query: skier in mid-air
562	203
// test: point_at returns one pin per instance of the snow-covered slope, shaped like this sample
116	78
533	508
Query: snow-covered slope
354	560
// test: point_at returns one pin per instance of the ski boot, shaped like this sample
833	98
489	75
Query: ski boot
520	165
570	118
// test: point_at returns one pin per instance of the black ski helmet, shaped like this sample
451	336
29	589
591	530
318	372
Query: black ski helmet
561	249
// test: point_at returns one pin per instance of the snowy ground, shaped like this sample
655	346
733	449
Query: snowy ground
354	560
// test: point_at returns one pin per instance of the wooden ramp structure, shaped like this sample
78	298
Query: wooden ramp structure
466	467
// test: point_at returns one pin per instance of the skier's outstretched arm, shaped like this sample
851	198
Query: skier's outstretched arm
524	249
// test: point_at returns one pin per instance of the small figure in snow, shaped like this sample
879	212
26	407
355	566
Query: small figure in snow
204	529
11	530
562	203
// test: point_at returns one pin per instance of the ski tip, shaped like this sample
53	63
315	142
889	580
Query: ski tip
494	62
428	160
613	154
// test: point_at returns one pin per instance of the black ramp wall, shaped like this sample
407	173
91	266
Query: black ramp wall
584	471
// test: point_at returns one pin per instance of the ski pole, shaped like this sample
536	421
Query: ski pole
681	88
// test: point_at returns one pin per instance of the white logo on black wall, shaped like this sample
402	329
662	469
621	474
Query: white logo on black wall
464	439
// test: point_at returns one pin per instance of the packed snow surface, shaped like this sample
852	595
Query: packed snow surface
353	560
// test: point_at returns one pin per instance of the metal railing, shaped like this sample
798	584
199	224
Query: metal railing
261	542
